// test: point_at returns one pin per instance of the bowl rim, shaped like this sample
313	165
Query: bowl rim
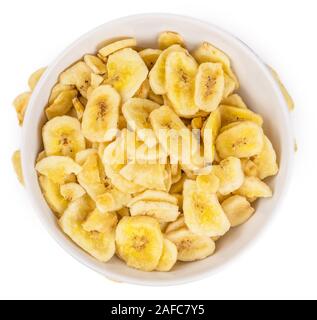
288	152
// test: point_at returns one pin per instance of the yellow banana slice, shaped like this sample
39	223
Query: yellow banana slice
175	225
254	187
62	136
16	161
153	195
95	64
99	244
117	45
242	141
72	191
209	86
136	112
206	52
169	38
52	195
20	104
139	242
150	56
83	155
101	115
61	105
96	81
57	89
230	175
149	176
208	183
144	90
162	211
180	75
78	75
237	209
202	211
101	222
249	168
229	126
126	72
35	77
190	246
79	108
234	100
168	257
265	162
230	86
58	168
231	114
157	73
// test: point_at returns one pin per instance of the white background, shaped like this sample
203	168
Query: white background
282	263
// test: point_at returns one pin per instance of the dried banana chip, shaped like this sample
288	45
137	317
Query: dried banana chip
35	77
169	38
20	104
95	64
16	161
117	45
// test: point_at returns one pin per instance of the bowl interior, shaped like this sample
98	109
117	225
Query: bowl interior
259	90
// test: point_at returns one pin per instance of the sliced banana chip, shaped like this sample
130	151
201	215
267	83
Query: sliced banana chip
95	64
234	100
175	225
230	175
144	90
101	115
190	246
126	72
58	89
237	209
150	176
230	86
180	75
58	168
20	104
99	244
83	155
61	105
139	242
208	183
40	156
95	82
209	86
168	257
242	141
266	161
100	222
72	191
16	161
169	38
150	56
78	75
158	72
137	112
231	114
35	77
254	187
52	195
249	168
162	211
117	45
153	195
79	108
202	211
209	53
62	136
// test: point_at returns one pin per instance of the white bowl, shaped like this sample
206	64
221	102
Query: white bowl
258	88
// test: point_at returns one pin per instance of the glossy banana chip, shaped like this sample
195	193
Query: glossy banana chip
150	56
126	72
117	45
234	100
96	65
253	187
16	161
169	38
20	104
230	114
35	77
72	191
168	257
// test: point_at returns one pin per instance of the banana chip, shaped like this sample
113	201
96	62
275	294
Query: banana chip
16	161
168	257
35	77
20	104
95	64
169	38
150	56
117	45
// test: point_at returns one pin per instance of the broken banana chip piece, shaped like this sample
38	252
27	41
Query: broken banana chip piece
139	242
16	161
150	154
203	213
191	246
